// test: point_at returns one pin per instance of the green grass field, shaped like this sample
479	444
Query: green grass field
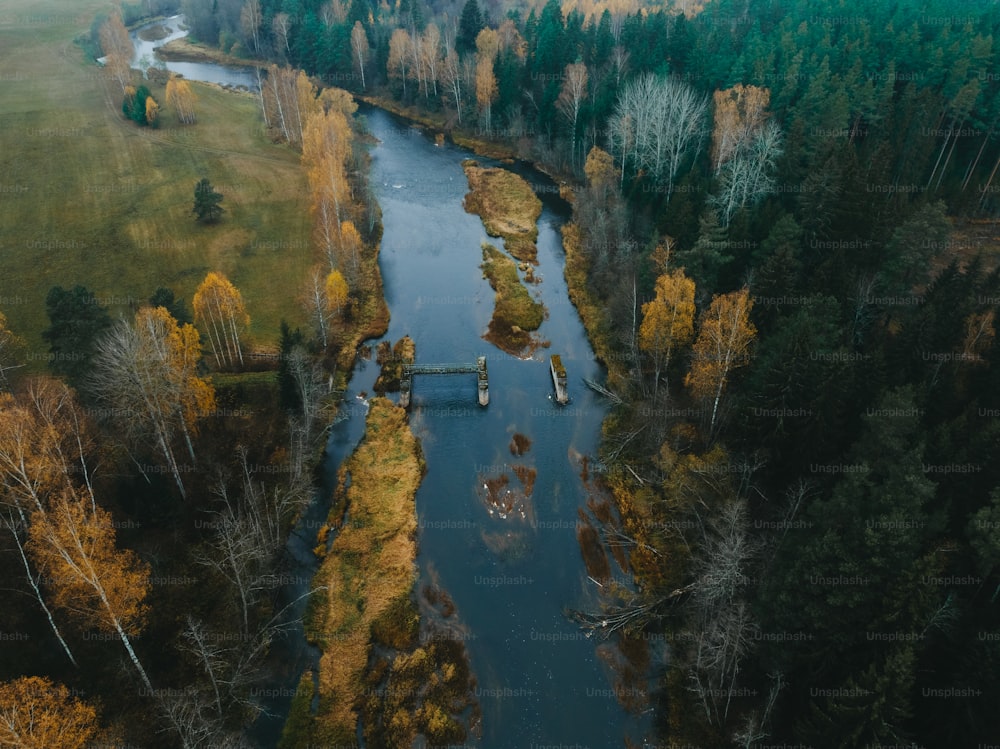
89	198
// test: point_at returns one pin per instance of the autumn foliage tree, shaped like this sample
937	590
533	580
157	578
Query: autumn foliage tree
326	149
745	147
219	310
182	99
487	46
11	348
350	250
146	373
118	50
725	335
102	586
360	49
35	713
152	111
336	292
740	113
289	99
137	107
667	320
398	63
325	296
42	443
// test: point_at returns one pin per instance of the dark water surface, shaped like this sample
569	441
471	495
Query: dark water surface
540	681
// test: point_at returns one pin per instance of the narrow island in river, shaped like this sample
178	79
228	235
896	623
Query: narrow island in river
379	656
507	205
515	314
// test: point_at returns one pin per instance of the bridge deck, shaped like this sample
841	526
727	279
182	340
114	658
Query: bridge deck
477	368
440	368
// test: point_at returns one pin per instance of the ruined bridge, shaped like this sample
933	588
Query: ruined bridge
477	368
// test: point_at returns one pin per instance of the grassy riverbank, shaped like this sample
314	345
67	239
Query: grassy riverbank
91	198
592	313
507	205
186	50
515	313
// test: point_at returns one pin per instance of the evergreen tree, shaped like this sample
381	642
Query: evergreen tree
855	574
709	254
164	297
76	319
469	25
206	202
288	391
134	104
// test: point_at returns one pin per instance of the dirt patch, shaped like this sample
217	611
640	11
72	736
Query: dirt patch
519	444
594	557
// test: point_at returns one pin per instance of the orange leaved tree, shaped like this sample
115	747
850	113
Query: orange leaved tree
218	308
146	375
72	540
35	713
667	320
725	335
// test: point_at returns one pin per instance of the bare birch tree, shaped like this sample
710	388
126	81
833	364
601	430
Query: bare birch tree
747	175
570	101
665	118
360	48
451	79
145	374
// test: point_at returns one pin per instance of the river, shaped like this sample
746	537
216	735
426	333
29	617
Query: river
540	681
145	57
511	578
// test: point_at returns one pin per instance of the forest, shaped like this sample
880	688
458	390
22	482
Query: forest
784	248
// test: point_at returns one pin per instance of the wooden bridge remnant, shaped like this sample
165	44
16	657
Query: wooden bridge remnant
477	368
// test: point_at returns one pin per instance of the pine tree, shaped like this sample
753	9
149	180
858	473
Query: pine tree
708	256
206	202
469	25
76	320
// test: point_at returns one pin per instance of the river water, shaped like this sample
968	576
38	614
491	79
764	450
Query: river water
540	681
145	57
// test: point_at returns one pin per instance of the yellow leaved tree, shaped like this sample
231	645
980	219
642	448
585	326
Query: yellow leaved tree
35	713
326	147
336	291
182	99
152	110
146	374
725	335
740	113
324	298
219	310
667	320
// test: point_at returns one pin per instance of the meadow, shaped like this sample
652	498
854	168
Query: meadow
87	197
